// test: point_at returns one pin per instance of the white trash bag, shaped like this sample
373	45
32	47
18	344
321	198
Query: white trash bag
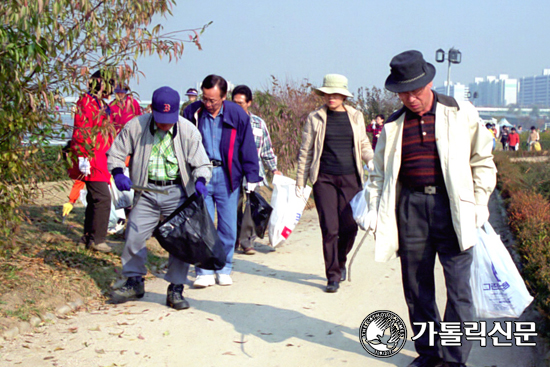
287	208
360	207
117	217
497	286
82	196
121	199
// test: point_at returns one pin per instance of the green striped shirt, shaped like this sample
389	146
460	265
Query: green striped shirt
163	164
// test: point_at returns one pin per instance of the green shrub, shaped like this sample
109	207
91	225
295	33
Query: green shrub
285	108
526	185
517	176
52	165
545	140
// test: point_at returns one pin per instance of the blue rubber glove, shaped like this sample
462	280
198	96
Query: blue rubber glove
200	187
122	182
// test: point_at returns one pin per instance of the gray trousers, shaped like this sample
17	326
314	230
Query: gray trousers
143	219
426	229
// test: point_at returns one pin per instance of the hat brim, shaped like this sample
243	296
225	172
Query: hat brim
399	87
328	90
166	118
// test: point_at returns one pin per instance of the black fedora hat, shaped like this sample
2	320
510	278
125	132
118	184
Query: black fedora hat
409	71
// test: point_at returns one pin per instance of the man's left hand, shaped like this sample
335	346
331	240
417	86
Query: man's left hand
370	165
251	186
200	187
277	172
482	215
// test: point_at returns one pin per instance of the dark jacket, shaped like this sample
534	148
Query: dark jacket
239	154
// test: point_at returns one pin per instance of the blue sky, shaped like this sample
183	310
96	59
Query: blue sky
251	40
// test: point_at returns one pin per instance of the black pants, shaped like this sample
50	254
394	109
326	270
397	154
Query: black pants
98	209
332	196
251	237
426	229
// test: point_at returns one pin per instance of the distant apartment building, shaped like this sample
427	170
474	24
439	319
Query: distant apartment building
457	91
535	90
494	92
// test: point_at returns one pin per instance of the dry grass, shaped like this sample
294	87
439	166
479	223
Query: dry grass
43	268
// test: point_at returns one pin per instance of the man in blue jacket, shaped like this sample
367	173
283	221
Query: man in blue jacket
229	143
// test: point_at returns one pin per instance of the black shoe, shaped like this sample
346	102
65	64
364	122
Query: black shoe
343	273
174	298
427	361
134	288
83	242
332	287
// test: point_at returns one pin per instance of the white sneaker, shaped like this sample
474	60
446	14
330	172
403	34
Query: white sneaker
224	279
204	281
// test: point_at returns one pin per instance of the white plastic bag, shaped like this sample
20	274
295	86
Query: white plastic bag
82	196
121	199
113	218
117	218
497	287
287	208
360	207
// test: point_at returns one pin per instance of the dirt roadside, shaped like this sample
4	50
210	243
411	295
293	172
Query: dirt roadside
275	314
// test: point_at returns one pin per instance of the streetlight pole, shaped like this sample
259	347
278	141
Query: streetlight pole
454	56
449	78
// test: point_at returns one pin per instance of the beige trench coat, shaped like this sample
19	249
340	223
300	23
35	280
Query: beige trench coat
465	150
313	138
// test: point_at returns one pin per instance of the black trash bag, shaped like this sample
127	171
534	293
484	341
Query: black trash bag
189	234
248	228
260	210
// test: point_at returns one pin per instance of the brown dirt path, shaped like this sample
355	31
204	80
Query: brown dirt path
275	314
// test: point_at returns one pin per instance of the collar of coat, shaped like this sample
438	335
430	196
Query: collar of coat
227	117
153	127
438	98
322	111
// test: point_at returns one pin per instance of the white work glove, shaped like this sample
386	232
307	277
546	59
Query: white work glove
370	165
482	215
299	191
371	220
84	166
251	186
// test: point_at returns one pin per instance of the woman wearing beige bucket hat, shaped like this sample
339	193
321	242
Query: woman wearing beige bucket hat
334	144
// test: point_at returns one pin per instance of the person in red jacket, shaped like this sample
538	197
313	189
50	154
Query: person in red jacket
124	108
513	140
375	128
92	137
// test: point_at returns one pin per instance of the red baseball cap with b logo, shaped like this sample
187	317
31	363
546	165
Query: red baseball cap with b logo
166	105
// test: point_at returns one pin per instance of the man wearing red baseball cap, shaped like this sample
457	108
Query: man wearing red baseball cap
167	154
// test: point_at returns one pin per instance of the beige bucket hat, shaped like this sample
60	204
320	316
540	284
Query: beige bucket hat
334	84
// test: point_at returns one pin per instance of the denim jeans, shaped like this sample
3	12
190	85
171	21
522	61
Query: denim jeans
221	200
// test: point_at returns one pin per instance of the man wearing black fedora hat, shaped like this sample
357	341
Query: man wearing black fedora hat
434	164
